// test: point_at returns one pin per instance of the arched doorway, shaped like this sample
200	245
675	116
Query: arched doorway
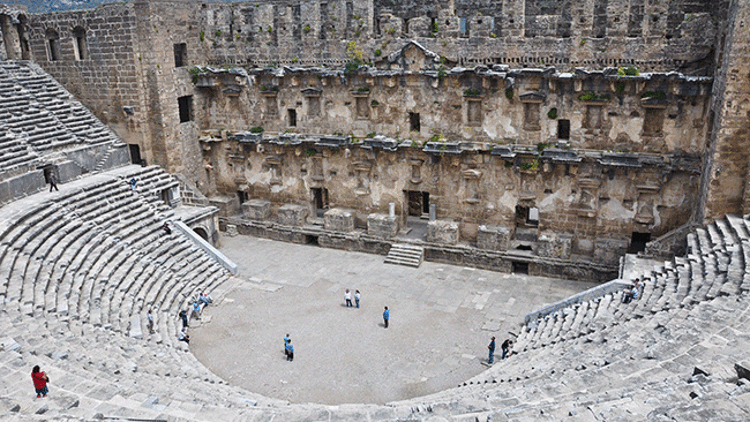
202	233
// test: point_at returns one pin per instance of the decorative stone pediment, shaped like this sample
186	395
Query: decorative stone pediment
414	57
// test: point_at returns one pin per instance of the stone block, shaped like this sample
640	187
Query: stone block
256	209
743	369
382	226
493	237
554	245
227	205
339	220
293	215
609	251
442	231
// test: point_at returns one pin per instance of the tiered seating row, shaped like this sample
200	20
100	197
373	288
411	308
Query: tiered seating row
715	265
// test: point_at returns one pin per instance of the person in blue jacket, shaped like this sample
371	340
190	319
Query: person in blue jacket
289	351
386	317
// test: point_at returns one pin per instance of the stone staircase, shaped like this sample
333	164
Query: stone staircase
405	254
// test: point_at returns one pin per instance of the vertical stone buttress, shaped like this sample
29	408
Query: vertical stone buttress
725	178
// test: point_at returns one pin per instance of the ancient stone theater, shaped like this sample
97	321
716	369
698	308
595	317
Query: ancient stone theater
596	140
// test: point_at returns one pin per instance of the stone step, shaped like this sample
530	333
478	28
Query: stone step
405	254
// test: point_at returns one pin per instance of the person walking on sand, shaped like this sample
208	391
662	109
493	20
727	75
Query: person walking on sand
491	347
386	317
289	351
40	382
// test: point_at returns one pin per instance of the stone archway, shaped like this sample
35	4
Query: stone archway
202	233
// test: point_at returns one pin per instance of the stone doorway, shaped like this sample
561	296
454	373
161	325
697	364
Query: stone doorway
638	242
320	200
418	203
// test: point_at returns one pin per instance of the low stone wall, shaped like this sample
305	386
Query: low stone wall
434	252
598	291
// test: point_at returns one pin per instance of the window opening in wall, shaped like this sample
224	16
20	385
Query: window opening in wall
242	196
563	129
638	242
462	25
406	26
80	49
186	108
527	216
180	55
23	41
414	122
520	267
135	153
524	248
426	203
53	45
292	113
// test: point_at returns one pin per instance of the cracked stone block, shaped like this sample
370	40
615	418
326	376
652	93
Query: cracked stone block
442	231
256	209
493	237
382	226
339	220
293	215
554	245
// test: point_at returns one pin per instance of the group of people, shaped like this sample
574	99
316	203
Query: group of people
634	292
201	302
505	348
348	298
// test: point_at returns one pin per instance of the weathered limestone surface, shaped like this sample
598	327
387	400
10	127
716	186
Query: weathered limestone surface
442	231
382	225
340	220
293	214
493	237
256	209
555	245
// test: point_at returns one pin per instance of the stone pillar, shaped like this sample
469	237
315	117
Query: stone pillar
391	209
433	212
493	238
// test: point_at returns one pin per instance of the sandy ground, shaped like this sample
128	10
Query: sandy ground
442	318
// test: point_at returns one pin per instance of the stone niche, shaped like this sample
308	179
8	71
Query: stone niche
442	231
339	220
493	237
553	245
382	226
609	251
256	209
293	215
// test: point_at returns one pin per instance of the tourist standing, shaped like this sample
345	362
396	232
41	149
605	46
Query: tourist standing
40	381
133	184
491	347
289	351
348	298
287	340
356	298
150	318
184	318
386	317
53	183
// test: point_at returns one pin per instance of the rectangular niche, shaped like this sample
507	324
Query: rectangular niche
593	118
531	116
363	108
313	106
653	121
474	112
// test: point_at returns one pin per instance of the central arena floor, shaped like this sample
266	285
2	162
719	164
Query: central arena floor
442	318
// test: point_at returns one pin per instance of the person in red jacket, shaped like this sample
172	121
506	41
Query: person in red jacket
40	382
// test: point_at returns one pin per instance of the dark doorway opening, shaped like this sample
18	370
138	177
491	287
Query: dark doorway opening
48	172
242	195
320	198
563	129
520	267
524	247
186	108
180	55
414	122
418	203
202	233
527	216
135	153
638	242
292	117
311	240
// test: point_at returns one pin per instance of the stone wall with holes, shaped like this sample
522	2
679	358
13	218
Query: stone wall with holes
651	113
598	200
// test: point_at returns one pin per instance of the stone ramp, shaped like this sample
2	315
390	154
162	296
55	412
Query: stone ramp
405	254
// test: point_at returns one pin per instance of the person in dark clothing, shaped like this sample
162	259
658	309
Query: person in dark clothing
491	347
386	317
289	351
53	183
506	347
183	316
